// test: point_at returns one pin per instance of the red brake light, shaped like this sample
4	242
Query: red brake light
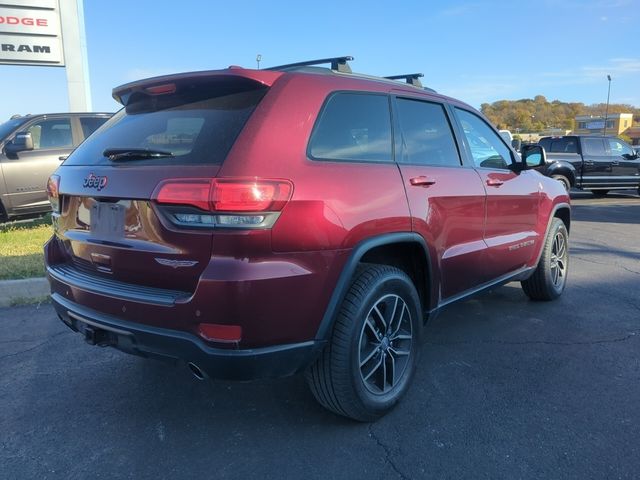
193	192
161	89
53	191
225	195
249	195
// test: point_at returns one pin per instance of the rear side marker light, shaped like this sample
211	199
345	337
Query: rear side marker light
214	332
53	191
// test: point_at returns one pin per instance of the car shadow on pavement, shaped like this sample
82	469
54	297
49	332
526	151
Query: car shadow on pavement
608	213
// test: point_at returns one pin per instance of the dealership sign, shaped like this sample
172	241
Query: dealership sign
595	125
30	33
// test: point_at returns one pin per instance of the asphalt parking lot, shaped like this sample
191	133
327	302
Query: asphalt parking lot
506	388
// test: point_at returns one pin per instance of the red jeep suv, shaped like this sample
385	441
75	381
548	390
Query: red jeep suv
262	223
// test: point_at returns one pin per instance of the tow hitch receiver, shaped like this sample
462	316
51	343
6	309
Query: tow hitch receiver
96	336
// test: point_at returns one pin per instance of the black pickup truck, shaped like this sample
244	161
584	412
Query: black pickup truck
595	163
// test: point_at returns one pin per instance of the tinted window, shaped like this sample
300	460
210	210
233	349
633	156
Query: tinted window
593	146
563	145
91	124
54	133
425	137
353	127
618	148
197	124
487	148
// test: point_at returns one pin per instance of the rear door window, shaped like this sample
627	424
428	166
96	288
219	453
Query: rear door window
91	124
353	127
425	134
593	146
197	124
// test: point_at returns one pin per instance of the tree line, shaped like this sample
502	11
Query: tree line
533	115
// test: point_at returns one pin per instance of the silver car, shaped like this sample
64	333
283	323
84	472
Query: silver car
31	148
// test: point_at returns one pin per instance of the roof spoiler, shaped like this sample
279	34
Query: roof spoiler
167	83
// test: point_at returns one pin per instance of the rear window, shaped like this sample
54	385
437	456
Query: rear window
198	124
560	145
353	127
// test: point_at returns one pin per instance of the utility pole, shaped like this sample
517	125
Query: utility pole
606	112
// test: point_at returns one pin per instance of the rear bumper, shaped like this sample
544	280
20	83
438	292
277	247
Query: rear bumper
154	342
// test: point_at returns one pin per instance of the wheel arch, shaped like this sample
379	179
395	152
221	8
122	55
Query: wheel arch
562	168
563	212
396	249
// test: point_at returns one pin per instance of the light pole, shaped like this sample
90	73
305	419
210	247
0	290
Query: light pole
606	112
258	58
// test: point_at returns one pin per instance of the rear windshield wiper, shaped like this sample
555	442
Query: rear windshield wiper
134	153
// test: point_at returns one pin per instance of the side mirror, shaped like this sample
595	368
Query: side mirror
533	156
630	156
516	143
21	143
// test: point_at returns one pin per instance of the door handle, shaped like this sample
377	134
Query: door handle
62	158
589	163
422	181
615	162
494	182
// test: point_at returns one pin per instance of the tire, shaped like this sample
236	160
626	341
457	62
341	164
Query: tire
599	193
564	181
371	338
3	214
550	276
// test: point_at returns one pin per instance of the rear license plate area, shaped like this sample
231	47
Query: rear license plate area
107	220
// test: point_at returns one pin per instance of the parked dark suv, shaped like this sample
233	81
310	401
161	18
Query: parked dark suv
31	148
261	223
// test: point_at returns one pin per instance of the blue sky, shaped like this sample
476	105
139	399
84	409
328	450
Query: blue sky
476	51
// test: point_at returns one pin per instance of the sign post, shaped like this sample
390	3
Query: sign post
48	33
75	52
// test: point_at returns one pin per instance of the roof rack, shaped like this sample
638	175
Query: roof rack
410	78
337	63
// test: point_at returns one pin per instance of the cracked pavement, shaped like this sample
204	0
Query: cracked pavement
505	388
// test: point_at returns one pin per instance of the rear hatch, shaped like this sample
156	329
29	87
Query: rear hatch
177	127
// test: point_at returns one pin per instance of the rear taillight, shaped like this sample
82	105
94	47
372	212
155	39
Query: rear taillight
53	191
228	202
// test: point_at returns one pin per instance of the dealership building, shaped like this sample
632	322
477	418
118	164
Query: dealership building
616	123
